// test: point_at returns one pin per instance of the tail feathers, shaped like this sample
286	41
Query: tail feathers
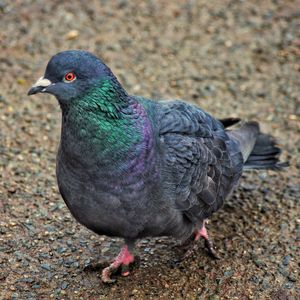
259	150
246	137
265	154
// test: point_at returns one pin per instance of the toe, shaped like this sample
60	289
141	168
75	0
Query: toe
106	273
125	270
212	252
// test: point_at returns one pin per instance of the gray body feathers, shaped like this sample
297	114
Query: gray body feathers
197	164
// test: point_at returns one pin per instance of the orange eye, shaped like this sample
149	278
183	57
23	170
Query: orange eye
70	76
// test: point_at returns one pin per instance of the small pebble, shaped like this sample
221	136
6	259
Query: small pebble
286	260
64	285
46	267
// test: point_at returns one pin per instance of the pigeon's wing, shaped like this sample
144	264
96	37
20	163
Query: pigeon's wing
183	118
202	164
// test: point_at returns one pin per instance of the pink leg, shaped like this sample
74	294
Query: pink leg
198	233
201	233
208	243
123	259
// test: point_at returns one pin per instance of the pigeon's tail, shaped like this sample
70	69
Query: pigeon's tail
259	150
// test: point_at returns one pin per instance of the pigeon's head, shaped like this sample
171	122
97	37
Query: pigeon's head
71	73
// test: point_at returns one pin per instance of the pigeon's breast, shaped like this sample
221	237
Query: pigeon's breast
115	198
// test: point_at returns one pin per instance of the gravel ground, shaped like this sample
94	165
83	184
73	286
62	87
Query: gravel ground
233	58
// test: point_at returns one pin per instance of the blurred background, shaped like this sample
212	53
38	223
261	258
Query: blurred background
232	58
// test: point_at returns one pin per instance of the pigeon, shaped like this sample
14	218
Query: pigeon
132	167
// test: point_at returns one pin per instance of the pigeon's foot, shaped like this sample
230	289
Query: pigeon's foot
207	241
201	233
123	260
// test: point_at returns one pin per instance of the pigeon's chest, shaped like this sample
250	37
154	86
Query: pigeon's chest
107	169
108	201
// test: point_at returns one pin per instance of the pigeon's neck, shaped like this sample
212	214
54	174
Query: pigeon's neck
109	129
106	96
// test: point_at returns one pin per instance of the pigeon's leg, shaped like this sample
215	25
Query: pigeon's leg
208	243
123	260
198	233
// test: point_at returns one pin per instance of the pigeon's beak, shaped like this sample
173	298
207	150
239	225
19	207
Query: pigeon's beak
40	86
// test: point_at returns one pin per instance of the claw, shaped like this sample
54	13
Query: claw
123	260
125	270
107	272
210	248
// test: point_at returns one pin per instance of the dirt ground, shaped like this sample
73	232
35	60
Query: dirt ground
232	58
